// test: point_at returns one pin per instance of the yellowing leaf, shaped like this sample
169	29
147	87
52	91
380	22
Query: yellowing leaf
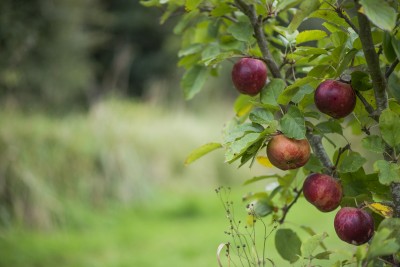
243	105
264	161
381	209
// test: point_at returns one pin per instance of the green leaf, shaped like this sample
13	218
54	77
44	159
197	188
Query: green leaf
360	81
218	58
382	244
270	93
346	61
290	91
191	49
240	130
243	105
308	51
330	126
242	31
302	92
201	151
283	4
396	45
313	164
322	71
210	52
193	80
263	208
323	255
311	35
261	116
238	147
352	162
259	178
310	245
380	13
373	143
388	49
388	172
358	183
389	124
293	124
288	244
222	9
330	16
192	4
392	224
305	9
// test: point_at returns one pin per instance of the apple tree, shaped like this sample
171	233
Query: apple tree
300	91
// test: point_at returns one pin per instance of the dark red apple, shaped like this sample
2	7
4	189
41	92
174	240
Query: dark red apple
286	153
354	226
249	75
323	191
334	98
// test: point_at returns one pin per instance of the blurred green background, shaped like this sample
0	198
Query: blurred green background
94	132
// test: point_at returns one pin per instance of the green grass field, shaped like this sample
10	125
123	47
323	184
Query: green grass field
110	189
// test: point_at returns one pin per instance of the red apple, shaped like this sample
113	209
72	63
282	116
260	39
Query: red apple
334	98
249	75
354	226
323	191
286	153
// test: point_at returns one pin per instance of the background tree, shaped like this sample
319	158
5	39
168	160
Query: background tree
315	76
66	54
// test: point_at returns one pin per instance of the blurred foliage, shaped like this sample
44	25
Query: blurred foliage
68	53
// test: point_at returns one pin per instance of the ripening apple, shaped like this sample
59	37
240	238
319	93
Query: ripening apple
287	153
249	75
335	98
323	191
353	225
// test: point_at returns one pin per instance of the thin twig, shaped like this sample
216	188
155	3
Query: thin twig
257	23
391	68
341	14
288	207
367	106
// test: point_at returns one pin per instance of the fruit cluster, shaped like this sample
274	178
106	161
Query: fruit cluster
336	99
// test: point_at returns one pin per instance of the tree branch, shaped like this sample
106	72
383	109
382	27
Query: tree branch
378	80
320	152
380	87
257	24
